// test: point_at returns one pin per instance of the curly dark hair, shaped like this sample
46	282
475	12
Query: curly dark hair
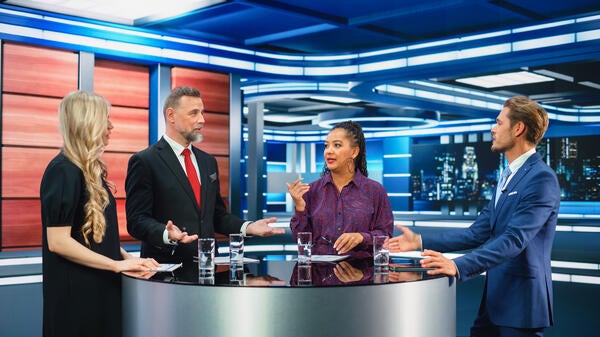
356	135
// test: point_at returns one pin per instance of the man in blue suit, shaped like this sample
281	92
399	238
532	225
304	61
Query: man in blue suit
512	237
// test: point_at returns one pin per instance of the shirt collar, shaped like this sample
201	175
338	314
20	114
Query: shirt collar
517	163
358	179
176	147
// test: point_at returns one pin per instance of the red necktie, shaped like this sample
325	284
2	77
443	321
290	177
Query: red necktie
191	174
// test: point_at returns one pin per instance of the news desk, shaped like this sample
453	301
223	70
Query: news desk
266	298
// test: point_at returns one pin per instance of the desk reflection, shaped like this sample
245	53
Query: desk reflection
351	271
348	272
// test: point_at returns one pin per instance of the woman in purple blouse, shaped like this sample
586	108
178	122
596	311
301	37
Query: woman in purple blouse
343	209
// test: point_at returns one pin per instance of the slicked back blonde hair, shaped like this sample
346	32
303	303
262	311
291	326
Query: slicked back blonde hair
82	120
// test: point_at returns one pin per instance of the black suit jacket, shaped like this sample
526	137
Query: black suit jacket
158	190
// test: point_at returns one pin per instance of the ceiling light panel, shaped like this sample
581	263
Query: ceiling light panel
118	11
505	80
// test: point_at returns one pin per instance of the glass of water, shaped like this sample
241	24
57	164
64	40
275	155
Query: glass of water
381	253
304	247
236	249
206	257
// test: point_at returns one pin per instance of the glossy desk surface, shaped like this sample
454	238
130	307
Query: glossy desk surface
282	270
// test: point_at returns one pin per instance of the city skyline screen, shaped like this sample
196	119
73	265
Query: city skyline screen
464	169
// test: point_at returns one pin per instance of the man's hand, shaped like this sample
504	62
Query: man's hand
406	242
262	228
442	264
175	234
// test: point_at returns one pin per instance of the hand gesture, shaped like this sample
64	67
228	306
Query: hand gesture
406	242
297	190
176	234
262	228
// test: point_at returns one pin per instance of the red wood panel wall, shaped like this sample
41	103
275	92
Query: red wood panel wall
126	87
34	79
214	88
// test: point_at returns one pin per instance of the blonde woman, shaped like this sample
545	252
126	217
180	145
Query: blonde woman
82	257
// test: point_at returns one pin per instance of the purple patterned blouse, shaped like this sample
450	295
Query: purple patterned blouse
362	206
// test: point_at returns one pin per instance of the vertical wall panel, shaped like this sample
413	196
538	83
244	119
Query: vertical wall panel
130	132
22	170
127	87
122	84
34	123
223	163
215	134
214	87
117	171
34	79
38	70
21	223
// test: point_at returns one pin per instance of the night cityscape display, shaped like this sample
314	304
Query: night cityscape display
469	171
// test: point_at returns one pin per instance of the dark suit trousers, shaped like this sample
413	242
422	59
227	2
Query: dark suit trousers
483	327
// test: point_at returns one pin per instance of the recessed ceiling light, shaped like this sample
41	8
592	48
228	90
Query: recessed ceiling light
504	80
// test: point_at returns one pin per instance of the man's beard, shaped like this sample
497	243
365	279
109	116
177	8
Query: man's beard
193	137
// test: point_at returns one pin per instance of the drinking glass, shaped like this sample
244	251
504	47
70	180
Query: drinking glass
236	249
206	257
304	247
381	253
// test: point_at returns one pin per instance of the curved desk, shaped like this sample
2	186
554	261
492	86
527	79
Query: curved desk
266	299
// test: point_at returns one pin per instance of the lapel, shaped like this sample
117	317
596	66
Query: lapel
166	154
205	181
513	185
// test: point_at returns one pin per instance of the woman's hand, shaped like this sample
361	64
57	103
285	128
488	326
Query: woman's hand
347	241
136	264
297	190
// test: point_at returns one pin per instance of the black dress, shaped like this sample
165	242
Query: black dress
78	301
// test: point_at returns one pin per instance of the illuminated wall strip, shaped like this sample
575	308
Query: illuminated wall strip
399	155
401	195
19	280
396	175
575	265
20	261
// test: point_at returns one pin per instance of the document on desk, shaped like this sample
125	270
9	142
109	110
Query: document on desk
414	254
225	260
327	258
167	267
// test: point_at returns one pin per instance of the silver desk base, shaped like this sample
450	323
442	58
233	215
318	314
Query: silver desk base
425	308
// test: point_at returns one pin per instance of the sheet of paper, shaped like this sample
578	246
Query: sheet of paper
412	254
167	267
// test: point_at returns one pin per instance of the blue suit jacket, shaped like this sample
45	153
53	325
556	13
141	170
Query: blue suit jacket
512	243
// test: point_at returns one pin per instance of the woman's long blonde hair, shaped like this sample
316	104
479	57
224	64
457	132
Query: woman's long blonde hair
83	120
